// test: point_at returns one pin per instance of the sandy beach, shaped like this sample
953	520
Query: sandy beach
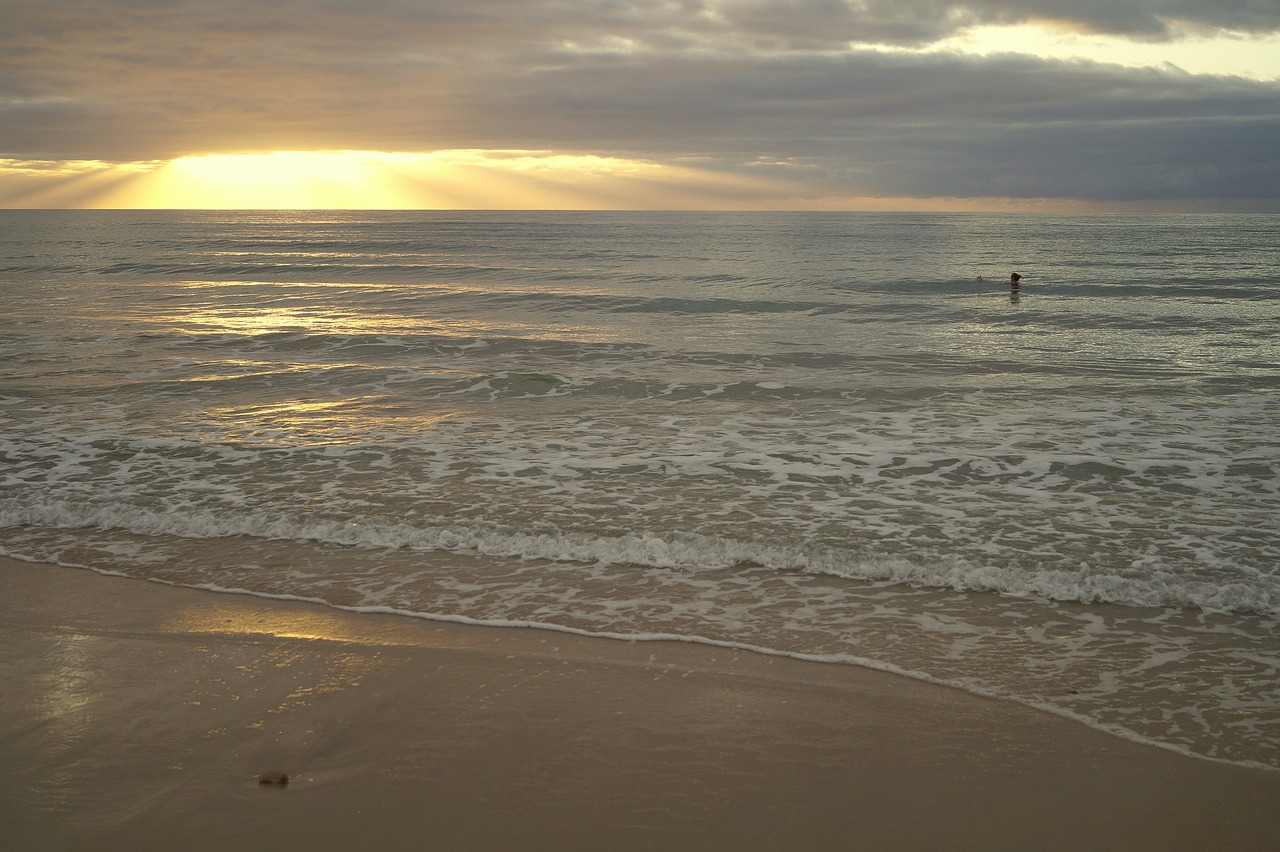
139	716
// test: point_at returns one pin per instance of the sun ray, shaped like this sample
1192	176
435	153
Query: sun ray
444	180
455	179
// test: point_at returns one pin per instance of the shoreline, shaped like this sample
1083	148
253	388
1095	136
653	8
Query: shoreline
138	716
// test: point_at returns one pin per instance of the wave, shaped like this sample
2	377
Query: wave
1257	593
827	369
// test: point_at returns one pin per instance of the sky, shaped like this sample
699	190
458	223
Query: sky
1057	105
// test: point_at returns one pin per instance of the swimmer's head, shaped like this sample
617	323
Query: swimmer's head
1014	278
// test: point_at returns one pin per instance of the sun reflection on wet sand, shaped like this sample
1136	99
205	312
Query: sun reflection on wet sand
282	623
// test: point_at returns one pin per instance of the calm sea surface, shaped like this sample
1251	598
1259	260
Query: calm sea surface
809	434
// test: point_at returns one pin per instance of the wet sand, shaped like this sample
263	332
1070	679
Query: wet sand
138	716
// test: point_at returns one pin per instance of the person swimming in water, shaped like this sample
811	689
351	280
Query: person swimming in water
1014	278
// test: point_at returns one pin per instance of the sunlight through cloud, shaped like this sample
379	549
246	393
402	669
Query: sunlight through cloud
458	179
1238	55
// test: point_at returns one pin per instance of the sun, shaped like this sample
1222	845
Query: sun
382	180
280	179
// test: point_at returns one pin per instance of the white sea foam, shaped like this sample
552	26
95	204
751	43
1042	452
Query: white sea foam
689	552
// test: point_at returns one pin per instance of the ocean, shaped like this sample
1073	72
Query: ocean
810	434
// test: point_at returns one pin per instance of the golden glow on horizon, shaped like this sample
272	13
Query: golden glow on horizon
441	180
295	179
460	179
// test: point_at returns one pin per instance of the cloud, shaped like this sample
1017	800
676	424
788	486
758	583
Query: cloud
723	84
921	21
893	125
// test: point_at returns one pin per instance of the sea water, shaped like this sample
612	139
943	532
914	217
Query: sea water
818	435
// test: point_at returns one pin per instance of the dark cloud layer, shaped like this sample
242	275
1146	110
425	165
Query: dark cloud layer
726	84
